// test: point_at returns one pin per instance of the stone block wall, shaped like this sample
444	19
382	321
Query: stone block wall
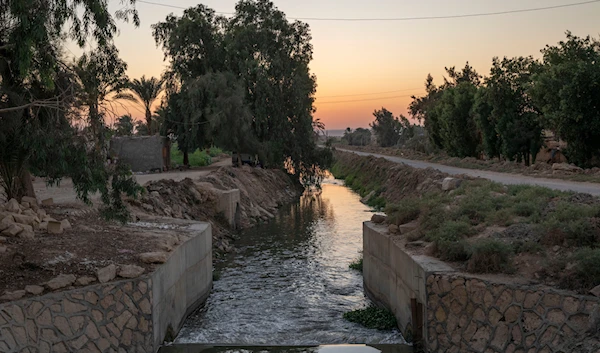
468	314
141	153
105	317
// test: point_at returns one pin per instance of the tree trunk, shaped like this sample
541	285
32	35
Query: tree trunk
26	185
149	121
186	159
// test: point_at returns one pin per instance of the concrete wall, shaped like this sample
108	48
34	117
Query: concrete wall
141	153
125	316
229	204
182	283
465	313
392	277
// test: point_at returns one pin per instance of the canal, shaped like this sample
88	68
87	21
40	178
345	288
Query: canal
288	284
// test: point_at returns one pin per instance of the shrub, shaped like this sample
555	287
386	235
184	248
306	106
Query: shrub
588	267
490	256
403	213
527	246
451	231
372	317
453	250
357	264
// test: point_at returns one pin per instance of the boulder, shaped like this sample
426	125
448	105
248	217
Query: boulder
55	227
85	280
378	218
6	222
3	249
48	202
65	224
449	184
25	205
107	273
41	213
393	229
27	232
157	257
61	281
416	244
30	200
43	226
26	219
565	167
368	197
12	230
130	271
16	295
35	290
13	206
408	227
596	291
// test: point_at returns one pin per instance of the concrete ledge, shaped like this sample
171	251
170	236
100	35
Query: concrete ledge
129	315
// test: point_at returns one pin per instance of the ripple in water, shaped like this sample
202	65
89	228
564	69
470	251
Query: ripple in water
289	283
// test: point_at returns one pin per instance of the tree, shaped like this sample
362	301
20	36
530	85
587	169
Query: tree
359	137
386	128
124	125
567	90
509	122
270	57
145	91
457	126
37	89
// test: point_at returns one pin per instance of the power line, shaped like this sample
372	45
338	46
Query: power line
369	94
408	18
365	100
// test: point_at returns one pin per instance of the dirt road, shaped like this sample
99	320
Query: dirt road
504	178
64	194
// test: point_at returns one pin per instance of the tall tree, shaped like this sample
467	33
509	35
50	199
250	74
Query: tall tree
457	126
513	122
567	90
145	91
386	128
124	125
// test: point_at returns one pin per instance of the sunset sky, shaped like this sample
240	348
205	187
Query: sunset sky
363	66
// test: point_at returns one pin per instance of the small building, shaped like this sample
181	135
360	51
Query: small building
142	153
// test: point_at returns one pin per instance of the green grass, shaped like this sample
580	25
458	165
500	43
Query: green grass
373	318
197	159
357	264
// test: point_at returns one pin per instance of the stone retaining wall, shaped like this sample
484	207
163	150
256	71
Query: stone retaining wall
466	313
125	316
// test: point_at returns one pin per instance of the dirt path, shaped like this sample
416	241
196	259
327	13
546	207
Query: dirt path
65	194
504	178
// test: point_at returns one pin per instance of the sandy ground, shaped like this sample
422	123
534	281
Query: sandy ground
65	194
504	178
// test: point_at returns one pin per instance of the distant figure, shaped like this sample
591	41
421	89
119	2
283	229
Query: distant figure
553	155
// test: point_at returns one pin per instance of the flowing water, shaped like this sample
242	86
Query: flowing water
289	283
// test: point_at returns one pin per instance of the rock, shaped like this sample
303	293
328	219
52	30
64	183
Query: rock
130	271
555	248
2	239
16	295
154	257
377	218
31	213
6	222
61	281
25	219
596	291
564	167
30	200
41	213
25	205
43	226
35	290
55	227
27	232
155	194
408	227
148	207
107	273
416	244
13	206
48	202
3	249
392	228
368	197
65	224
12	230
85	280
449	184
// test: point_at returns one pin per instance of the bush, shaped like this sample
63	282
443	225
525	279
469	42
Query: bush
403	213
527	246
588	268
451	231
214	151
490	256
453	250
372	317
357	264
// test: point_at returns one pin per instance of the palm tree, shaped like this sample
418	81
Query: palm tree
146	91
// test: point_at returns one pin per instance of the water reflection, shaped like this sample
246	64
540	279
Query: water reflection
289	284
